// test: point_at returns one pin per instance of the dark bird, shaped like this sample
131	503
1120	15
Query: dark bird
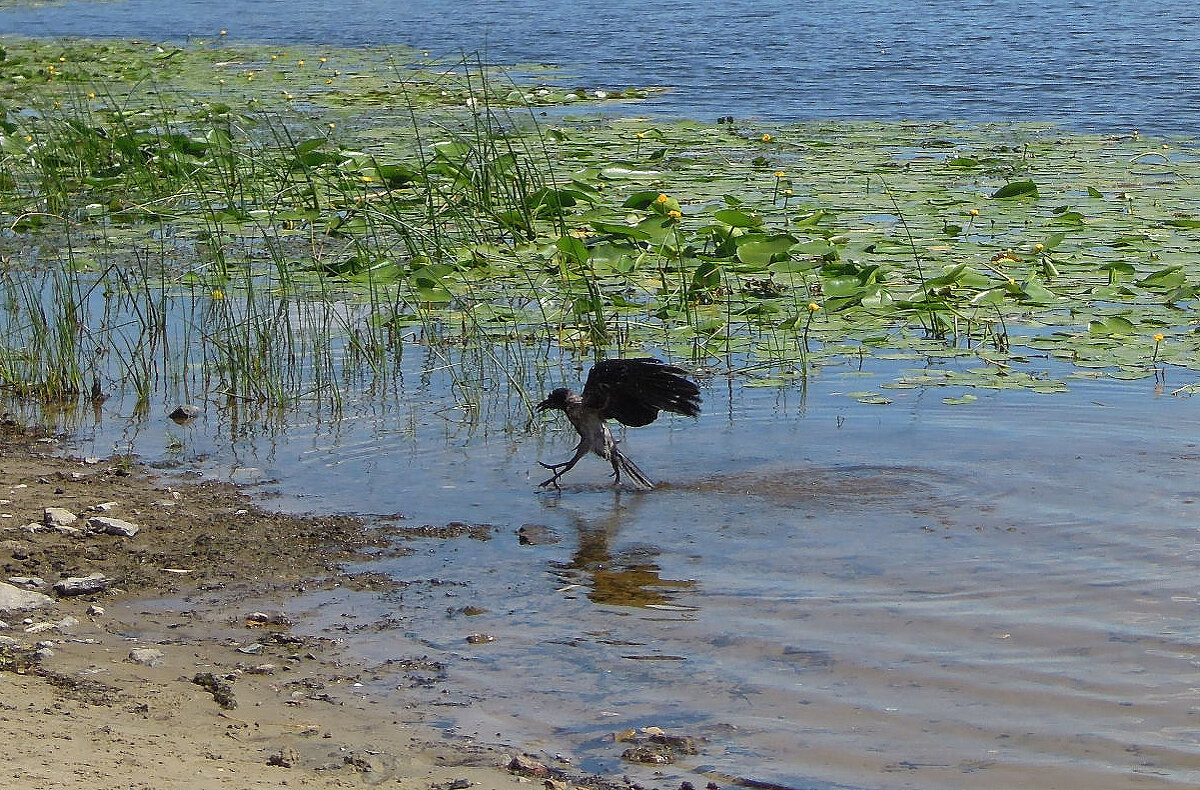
630	391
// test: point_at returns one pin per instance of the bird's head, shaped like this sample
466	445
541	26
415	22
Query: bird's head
556	400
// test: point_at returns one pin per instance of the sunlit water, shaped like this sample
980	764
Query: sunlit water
832	594
1104	66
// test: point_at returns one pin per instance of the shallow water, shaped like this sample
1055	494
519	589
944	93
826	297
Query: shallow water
834	594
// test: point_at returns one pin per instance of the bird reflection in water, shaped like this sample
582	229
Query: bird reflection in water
629	577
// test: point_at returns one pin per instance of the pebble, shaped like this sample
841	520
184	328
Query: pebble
95	611
527	766
113	526
263	618
82	585
147	656
13	598
284	758
29	582
536	535
185	412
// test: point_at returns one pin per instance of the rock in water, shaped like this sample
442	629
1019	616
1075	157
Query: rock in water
185	413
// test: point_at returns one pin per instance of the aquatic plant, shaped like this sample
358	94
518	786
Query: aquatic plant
216	219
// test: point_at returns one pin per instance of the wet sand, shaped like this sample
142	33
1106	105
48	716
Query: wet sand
227	695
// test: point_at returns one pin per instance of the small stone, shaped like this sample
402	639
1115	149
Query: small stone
284	758
185	413
251	650
536	535
14	599
147	656
480	639
82	585
43	653
113	526
647	755
527	766
95	611
58	517
278	619
262	669
363	761
104	507
66	624
28	582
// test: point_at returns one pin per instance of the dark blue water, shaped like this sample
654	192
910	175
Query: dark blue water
1088	65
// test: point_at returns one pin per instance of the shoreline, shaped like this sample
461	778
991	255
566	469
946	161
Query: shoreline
116	690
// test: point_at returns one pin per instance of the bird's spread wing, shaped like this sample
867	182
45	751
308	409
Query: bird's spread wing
633	391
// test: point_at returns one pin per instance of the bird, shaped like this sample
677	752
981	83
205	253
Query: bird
630	391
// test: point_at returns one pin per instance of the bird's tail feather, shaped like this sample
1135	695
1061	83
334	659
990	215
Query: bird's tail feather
631	471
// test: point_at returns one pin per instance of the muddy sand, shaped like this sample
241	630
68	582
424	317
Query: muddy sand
98	689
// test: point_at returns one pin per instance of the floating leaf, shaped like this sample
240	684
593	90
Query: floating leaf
1170	277
761	250
1112	326
1016	189
738	219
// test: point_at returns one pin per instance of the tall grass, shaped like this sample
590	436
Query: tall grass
251	257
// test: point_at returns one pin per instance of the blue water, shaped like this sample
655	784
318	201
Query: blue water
1089	65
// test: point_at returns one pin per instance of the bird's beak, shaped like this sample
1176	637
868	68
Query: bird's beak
544	405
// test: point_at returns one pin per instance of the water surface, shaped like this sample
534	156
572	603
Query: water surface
832	594
1089	65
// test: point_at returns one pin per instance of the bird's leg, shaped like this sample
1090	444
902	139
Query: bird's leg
620	462
561	469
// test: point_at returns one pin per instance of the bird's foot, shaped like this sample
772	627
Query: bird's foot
553	481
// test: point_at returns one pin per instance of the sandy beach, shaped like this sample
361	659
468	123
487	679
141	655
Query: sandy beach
101	688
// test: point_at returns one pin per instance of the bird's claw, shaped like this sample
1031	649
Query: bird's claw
553	481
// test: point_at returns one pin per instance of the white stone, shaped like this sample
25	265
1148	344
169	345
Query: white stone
82	585
14	599
58	517
113	526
